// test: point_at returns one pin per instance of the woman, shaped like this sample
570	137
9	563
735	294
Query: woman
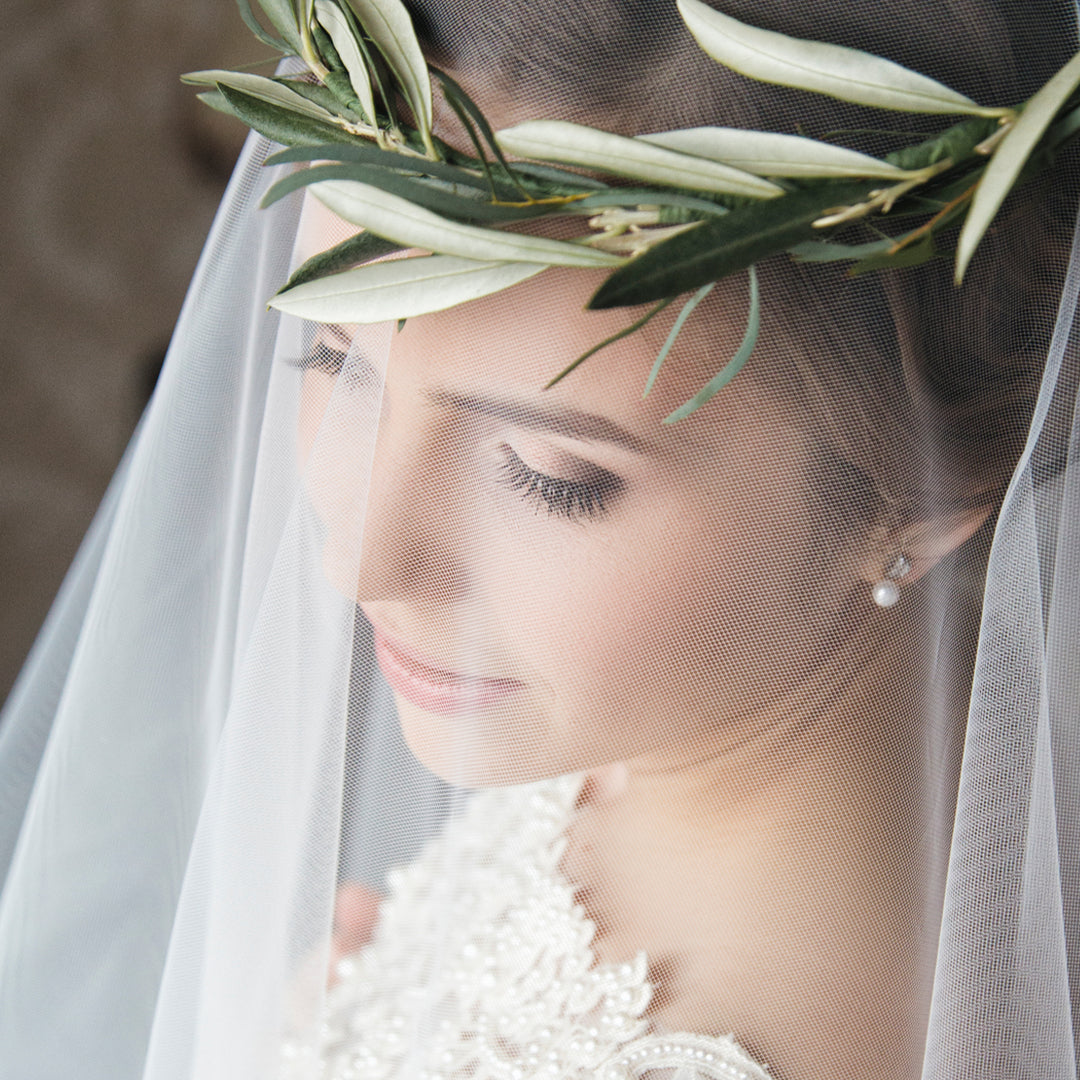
730	659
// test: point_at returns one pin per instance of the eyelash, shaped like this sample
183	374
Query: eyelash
320	357
570	499
360	375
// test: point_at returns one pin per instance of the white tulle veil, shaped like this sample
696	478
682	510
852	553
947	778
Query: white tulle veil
202	767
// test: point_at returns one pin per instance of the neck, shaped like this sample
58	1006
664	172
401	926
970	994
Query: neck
797	858
855	724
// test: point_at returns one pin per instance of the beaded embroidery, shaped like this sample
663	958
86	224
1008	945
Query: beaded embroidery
511	990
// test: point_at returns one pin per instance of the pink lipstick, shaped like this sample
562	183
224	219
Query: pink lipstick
434	689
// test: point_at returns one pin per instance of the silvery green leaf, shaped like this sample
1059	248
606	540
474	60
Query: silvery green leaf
255	27
840	72
264	89
400	288
283	17
334	22
400	220
574	144
1009	158
769	154
216	100
308	51
388	24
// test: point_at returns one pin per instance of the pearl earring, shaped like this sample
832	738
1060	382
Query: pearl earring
885	592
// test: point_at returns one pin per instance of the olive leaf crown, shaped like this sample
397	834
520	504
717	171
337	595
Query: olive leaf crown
703	203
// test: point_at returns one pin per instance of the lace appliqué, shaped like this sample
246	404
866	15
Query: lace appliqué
508	987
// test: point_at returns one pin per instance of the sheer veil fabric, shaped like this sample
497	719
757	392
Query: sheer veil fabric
400	718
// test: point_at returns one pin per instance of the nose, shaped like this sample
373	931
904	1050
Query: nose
392	488
414	541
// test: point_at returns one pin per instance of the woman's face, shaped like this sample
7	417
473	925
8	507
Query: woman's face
556	579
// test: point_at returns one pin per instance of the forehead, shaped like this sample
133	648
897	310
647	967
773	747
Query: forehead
510	345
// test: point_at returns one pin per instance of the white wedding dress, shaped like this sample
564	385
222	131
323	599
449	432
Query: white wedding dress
511	990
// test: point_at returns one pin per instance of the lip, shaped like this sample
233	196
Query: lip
435	689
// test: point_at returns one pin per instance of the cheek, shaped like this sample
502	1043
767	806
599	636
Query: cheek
314	397
334	444
659	622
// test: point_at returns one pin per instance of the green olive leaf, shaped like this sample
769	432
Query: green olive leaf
566	180
436	196
767	154
725	245
321	95
216	100
264	89
840	72
1012	153
474	121
627	196
282	17
366	154
361	248
657	197
893	258
398	219
332	19
339	84
400	288
284	125
589	148
680	322
253	24
822	251
957	143
388	24
733	366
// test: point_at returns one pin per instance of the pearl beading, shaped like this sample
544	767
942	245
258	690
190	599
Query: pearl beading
481	967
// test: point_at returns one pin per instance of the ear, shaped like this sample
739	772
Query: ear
922	543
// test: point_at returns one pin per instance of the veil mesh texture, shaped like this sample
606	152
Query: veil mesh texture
402	719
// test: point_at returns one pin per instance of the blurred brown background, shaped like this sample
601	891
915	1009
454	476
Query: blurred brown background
110	173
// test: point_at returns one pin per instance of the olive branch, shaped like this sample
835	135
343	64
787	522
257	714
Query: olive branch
703	204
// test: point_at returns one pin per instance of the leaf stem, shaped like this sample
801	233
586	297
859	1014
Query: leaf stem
917	234
625	332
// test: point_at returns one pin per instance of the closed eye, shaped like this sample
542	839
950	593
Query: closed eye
320	357
359	372
575	499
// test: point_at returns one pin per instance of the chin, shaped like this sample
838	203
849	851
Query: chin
492	748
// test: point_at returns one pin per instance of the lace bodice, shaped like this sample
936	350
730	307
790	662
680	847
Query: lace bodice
510	986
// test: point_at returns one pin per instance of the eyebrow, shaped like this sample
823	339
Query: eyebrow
572	423
336	330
